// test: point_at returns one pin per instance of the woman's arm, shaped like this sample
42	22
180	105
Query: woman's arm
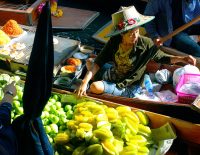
104	56
90	73
185	59
6	104
164	58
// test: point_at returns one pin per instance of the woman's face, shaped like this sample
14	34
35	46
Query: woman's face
131	36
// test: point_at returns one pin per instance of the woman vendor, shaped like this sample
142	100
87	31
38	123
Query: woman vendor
119	68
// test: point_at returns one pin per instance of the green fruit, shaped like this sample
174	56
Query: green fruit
16	97
19	110
15	78
143	149
54	119
79	150
132	116
80	133
95	149
52	100
94	140
69	114
131	125
46	121
137	140
47	108
58	105
63	119
109	148
68	107
129	150
20	95
16	104
118	144
50	139
12	114
53	109
45	114
54	128
47	129
103	134
56	97
144	130
62	128
61	138
16	116
64	149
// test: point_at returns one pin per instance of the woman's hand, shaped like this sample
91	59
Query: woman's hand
83	87
81	91
11	88
9	92
190	60
184	59
158	41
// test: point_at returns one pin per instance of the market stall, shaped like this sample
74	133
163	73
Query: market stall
16	52
89	125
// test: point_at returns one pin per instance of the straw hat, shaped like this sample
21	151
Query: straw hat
126	19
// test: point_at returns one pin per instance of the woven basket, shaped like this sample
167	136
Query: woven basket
184	97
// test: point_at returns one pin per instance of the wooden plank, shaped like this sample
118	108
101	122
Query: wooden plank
74	18
19	17
25	17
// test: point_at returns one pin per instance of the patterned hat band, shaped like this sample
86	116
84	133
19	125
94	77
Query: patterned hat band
123	24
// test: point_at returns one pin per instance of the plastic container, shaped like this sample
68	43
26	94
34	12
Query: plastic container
184	97
148	84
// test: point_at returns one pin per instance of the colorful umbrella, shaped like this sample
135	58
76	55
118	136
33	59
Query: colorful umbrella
32	139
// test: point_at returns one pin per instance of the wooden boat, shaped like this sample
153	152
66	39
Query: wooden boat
187	132
179	110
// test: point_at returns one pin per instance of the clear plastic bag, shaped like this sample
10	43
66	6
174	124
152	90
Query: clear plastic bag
163	76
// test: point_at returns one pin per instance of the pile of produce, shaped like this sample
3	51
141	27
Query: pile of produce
4	38
12	28
86	127
99	129
54	116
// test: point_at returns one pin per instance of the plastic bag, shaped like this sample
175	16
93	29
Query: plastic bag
163	76
190	88
167	96
164	136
